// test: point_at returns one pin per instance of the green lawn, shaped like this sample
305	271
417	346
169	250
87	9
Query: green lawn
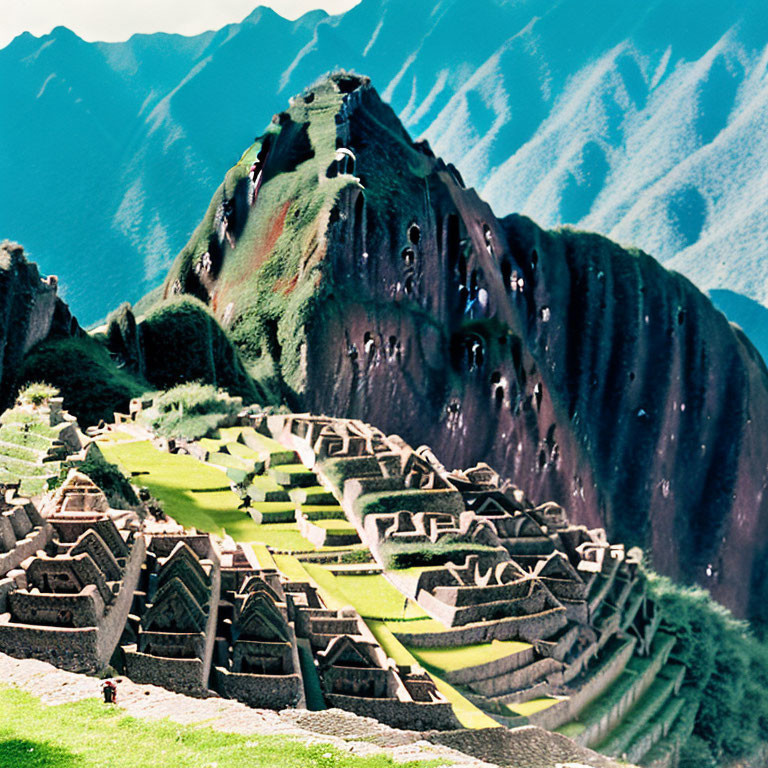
323	511
90	734
452	659
294	469
532	706
335	524
210	444
196	494
372	596
264	556
419	626
291	567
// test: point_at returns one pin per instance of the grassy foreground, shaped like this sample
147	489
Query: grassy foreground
90	734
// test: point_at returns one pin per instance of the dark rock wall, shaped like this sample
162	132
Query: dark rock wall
587	373
30	311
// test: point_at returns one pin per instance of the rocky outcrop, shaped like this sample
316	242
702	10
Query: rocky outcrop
353	265
30	311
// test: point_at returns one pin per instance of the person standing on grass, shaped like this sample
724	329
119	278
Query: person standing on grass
109	691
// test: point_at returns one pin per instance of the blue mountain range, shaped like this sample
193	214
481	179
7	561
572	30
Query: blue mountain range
643	121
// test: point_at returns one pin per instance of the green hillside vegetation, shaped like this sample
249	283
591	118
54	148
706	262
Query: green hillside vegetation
28	444
726	664
92	385
90	734
179	342
107	476
200	348
272	310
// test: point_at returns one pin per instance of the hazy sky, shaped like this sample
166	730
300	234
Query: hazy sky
119	19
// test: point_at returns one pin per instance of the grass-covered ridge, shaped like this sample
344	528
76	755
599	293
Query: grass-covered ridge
268	277
92	384
179	342
182	342
90	734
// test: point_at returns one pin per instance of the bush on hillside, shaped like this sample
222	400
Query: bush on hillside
92	385
107	476
726	663
421	555
191	411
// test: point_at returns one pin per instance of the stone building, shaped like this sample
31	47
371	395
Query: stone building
70	600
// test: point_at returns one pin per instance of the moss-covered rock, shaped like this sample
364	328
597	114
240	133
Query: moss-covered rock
182	342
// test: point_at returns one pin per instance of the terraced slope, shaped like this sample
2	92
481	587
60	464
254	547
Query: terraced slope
518	616
31	451
606	681
245	488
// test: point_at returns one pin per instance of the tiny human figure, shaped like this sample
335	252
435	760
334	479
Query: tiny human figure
109	691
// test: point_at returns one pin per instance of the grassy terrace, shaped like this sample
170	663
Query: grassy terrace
452	659
25	439
198	495
193	494
90	734
371	596
291	567
467	713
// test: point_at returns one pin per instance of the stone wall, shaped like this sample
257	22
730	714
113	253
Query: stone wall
399	714
266	691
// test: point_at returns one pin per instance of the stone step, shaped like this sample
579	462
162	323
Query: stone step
313	494
506	688
602	715
645	708
665	752
656	729
292	475
527	628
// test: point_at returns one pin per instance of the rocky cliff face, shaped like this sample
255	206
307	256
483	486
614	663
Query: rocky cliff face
354	267
30	311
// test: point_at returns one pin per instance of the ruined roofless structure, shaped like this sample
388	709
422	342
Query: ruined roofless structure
205	616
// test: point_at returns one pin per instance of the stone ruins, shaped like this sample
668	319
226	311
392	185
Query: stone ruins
84	586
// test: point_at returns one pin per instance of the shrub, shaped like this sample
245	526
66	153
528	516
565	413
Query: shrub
444	551
107	476
192	411
37	393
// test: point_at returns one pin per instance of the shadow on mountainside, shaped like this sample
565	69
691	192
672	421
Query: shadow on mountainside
750	315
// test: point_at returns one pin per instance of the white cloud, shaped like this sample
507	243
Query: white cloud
117	19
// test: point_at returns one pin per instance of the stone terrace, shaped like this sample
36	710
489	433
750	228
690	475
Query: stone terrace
594	666
572	641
